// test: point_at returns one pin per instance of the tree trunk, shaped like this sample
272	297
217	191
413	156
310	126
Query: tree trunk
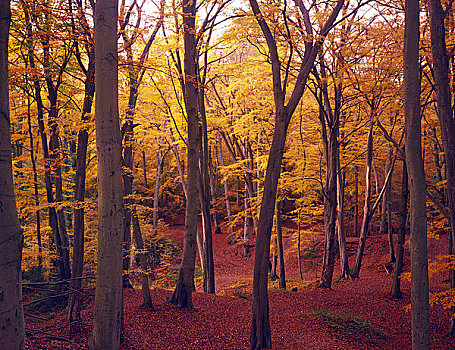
144	166
145	287
396	284
214	191
417	187
108	293
36	190
386	198
446	119
366	209
53	222
74	307
226	191
341	233
205	194
330	210
260	336
182	295
246	226
279	235
11	312
356	201
156	193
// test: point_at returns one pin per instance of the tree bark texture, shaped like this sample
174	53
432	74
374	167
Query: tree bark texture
260	336
446	118
79	194
182	295
108	293
145	286
11	312
396	284
420	324
366	209
279	236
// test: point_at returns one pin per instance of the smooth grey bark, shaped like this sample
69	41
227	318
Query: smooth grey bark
182	295
446	120
108	294
11	311
420	323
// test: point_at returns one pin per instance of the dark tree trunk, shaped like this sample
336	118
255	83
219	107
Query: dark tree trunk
246	225
182	295
260	336
420	324
226	191
396	284
79	196
366	209
145	287
446	120
356	201
279	236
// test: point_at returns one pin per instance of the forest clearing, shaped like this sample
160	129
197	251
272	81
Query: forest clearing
227	174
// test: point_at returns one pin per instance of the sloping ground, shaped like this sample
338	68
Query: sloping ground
309	318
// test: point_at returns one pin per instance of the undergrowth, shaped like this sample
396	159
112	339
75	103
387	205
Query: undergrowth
348	325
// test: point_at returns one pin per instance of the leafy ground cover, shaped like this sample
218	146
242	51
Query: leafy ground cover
357	314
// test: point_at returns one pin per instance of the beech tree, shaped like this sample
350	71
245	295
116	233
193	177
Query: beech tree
420	323
260	337
182	295
108	294
11	313
446	118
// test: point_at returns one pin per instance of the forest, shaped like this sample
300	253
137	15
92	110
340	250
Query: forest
227	174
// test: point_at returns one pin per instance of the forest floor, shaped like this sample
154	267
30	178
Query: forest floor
357	314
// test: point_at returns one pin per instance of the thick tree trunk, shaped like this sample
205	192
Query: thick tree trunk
420	324
260	327
446	119
396	284
182	295
330	209
108	294
11	312
260	336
